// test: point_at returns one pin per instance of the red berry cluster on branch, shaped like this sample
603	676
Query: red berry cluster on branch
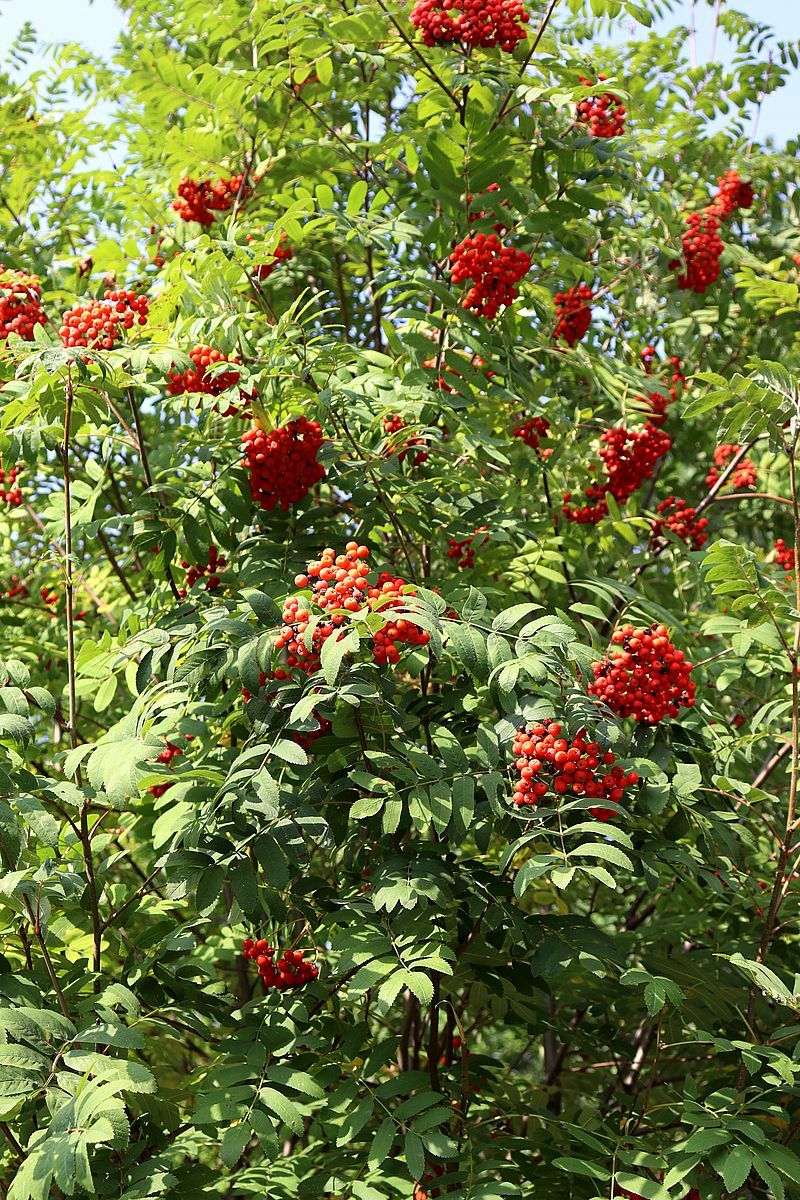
340	585
395	424
604	114
629	458
464	551
49	598
573	312
656	402
282	463
199	380
199	200
282	253
166	756
306	739
16	587
289	970
494	269
20	304
247	695
547	761
208	571
784	555
98	324
702	245
682	520
9	489
484	23
643	676
744	474
702	250
532	431
733	193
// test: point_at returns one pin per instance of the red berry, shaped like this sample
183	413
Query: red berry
289	970
464	552
545	761
20	304
494	270
784	555
604	114
643	676
340	584
282	462
197	378
98	324
199	200
682	520
629	457
395	424
573	313
744	475
484	23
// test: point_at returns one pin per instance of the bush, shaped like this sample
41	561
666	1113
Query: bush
400	622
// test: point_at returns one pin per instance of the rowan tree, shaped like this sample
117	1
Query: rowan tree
399	621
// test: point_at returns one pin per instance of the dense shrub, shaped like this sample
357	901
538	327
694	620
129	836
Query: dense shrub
400	626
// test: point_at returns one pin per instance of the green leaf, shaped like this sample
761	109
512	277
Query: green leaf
283	1108
736	1167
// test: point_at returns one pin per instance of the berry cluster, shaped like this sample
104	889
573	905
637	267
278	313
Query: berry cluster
546	761
52	599
199	200
484	23
643	676
573	312
682	520
49	598
282	463
604	114
289	970
199	380
744	475
702	245
629	458
656	402
307	739
166	756
784	555
9	489
531	432
20	304
494	269
247	695
702	250
340	585
395	424
282	253
216	562
16	587
298	85
733	193
464	552
98	324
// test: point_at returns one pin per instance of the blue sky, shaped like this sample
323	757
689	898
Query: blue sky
97	23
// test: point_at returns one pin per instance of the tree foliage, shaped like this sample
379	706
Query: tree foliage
556	999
